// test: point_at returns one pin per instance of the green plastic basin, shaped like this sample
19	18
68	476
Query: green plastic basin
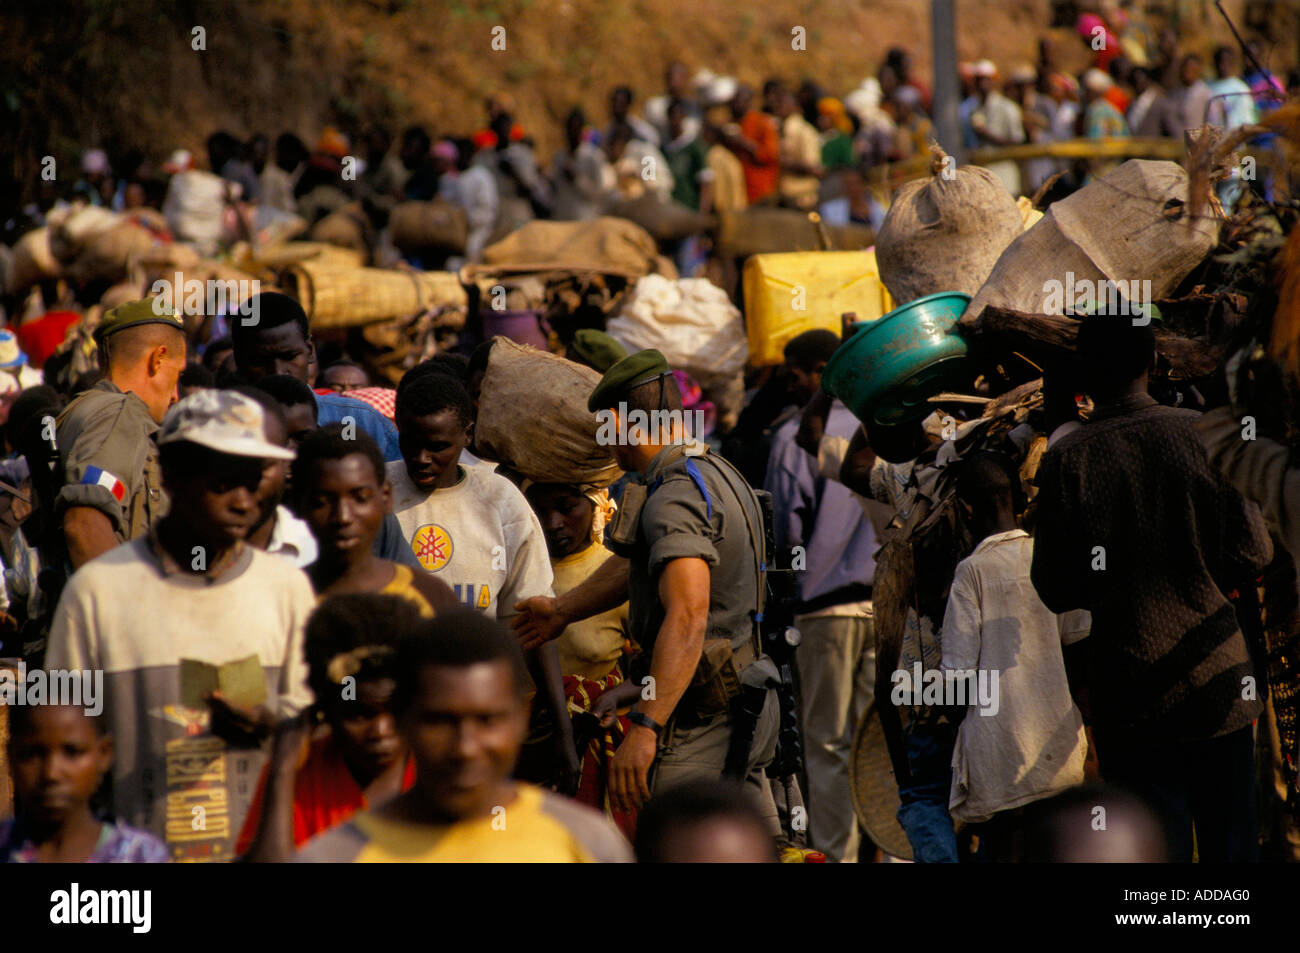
889	368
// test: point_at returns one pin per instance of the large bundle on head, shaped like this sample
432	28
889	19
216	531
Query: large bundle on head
945	232
1128	227
336	297
533	417
94	244
33	261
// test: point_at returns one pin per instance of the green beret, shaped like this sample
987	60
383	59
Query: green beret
598	349
635	369
135	313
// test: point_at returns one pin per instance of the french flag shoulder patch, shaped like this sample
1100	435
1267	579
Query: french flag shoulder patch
96	477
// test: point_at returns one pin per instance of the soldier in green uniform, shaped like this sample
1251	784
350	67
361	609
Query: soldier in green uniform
690	563
111	486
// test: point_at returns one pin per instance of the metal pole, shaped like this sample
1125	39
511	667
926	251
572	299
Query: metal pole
947	91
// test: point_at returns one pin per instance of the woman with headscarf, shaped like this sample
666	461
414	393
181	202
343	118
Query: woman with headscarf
837	134
573	518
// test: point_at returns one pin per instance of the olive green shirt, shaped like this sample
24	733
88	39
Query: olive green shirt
680	521
109	460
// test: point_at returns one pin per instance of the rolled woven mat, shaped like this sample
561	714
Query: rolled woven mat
336	297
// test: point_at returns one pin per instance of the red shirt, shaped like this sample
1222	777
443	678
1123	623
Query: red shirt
762	172
1118	98
324	794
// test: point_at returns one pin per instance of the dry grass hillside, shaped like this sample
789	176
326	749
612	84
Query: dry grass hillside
123	73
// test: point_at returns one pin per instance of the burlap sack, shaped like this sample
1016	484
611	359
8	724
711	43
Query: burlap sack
607	246
415	226
532	416
1129	225
945	232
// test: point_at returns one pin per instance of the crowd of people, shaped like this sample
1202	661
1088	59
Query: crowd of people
329	591
330	628
706	143
410	651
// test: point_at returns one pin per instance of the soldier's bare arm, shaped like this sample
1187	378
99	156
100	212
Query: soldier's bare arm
684	591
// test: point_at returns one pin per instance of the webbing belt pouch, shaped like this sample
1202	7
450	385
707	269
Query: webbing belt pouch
622	532
715	683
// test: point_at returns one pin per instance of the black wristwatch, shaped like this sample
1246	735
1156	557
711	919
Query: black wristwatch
645	721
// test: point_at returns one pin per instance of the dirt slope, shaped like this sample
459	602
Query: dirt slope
124	73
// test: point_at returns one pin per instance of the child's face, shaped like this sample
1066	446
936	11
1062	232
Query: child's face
57	760
366	729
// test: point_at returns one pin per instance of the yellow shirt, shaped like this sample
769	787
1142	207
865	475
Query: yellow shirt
729	193
537	827
592	647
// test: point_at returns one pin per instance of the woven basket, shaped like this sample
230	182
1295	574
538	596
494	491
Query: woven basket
874	787
347	297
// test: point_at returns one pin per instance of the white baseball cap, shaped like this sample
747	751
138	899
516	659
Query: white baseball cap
221	420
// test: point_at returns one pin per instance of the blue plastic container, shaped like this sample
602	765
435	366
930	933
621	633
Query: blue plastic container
889	368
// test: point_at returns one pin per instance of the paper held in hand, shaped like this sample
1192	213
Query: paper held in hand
242	682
